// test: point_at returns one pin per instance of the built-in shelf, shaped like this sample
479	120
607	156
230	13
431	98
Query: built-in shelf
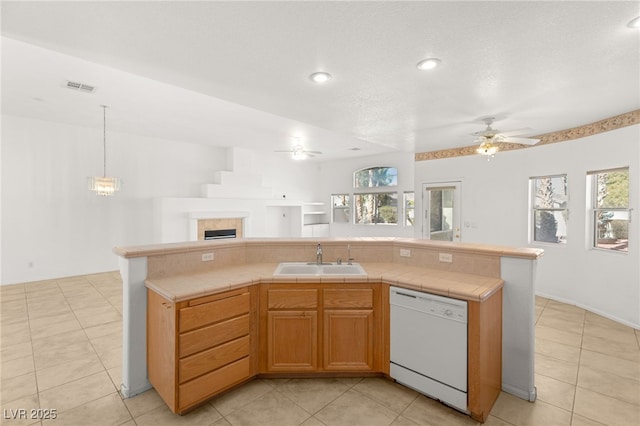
315	219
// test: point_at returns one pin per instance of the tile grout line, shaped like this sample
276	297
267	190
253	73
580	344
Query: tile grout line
118	390
575	388
33	357
105	370
417	395
33	354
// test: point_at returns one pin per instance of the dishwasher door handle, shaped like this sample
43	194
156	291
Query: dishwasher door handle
406	295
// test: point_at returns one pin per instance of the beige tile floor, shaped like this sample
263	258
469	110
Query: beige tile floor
61	349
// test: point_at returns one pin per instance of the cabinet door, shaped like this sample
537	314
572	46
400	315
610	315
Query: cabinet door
292	341
348	340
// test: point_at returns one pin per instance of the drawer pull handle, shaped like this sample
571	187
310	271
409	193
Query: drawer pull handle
166	305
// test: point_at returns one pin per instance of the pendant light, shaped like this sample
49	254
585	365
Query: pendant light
104	185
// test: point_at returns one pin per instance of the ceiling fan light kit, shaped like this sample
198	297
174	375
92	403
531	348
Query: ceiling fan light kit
489	137
487	149
298	152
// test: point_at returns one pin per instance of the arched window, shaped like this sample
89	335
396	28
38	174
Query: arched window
375	177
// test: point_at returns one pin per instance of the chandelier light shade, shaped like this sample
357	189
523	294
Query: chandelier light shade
104	185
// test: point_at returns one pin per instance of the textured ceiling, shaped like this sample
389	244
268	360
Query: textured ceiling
236	73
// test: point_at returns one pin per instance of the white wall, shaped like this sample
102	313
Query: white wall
337	178
52	226
281	183
495	197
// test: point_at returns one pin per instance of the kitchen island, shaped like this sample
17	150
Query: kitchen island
182	273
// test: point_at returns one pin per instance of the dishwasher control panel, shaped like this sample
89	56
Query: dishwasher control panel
432	304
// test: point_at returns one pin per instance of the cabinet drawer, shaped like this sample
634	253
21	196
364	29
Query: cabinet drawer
199	389
213	335
348	298
293	299
209	313
213	358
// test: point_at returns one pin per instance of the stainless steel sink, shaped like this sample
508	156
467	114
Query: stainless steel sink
314	269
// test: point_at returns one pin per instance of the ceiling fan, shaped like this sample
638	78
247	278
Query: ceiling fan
299	153
490	137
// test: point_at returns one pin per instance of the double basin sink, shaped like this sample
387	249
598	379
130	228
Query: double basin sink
319	269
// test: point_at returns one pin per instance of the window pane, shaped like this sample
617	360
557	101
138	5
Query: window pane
550	226
612	230
376	208
376	177
409	208
441	213
612	189
341	208
550	192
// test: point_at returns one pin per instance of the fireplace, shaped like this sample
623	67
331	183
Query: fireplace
214	228
218	234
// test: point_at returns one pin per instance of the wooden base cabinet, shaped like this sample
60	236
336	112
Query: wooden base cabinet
320	328
293	341
348	340
201	347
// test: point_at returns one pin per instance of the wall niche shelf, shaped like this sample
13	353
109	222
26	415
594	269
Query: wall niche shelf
315	220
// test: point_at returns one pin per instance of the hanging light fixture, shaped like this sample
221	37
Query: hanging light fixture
487	148
104	185
297	153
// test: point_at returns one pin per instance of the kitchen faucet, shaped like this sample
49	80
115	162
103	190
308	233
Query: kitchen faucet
319	254
349	258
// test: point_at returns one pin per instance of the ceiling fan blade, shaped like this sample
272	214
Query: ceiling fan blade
517	132
289	151
523	141
312	152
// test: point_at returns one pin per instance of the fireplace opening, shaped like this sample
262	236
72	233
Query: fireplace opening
219	234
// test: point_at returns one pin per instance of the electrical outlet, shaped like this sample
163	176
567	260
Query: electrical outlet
206	257
445	257
405	253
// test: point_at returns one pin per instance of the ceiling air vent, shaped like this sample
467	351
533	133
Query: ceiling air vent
86	88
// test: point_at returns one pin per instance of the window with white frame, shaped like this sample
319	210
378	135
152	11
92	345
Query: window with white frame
376	208
409	208
372	204
610	212
549	208
341	207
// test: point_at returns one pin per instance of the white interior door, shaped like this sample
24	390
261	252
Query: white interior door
441	204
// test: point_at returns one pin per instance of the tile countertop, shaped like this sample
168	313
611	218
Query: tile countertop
469	287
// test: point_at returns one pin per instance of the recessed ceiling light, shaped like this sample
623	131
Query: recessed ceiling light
428	64
320	77
634	23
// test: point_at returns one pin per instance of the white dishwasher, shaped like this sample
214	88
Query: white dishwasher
429	345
